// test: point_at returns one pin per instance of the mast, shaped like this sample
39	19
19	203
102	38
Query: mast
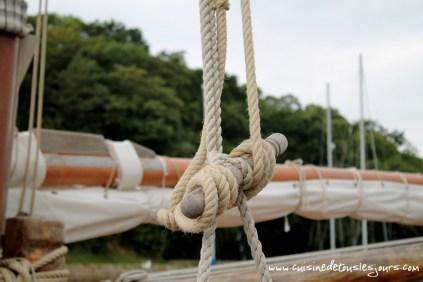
13	26
364	234
329	150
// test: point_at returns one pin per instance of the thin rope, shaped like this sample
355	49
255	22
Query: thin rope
359	183
322	185
35	68
302	184
40	100
372	131
109	182
407	196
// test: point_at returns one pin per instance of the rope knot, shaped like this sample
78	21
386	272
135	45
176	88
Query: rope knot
216	186
220	190
257	169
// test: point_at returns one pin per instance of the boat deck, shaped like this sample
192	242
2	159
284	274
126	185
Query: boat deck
395	254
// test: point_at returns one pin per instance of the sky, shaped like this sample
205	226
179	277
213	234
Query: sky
300	45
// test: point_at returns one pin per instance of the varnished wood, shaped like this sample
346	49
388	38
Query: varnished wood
8	69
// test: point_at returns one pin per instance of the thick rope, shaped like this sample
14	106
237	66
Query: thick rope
21	270
218	183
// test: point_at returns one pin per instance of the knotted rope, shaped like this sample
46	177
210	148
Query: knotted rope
225	180
21	270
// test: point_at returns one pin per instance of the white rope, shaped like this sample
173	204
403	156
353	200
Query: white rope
322	185
302	184
406	196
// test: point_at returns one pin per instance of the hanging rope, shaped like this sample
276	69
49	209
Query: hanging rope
40	103
35	69
230	180
38	79
21	270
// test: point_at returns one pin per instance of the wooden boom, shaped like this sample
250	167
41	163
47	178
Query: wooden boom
83	159
98	171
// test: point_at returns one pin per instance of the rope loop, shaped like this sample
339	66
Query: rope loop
220	190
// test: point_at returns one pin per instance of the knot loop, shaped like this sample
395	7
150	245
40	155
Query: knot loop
220	184
220	190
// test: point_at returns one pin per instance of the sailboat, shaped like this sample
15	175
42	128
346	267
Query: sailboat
97	187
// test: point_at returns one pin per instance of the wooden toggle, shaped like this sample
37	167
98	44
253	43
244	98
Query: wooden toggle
192	204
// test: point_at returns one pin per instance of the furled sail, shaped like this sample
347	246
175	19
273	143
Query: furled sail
72	179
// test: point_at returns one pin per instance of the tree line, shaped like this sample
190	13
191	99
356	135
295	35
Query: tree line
102	78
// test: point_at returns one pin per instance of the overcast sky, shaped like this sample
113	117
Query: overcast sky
300	45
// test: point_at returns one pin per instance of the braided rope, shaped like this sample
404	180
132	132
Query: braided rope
221	189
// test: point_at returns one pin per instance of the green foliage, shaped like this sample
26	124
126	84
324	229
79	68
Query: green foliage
101	78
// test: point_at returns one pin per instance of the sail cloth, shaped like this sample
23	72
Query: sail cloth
25	164
87	214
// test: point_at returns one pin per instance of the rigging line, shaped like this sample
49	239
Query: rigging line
40	100
35	68
372	130
385	231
